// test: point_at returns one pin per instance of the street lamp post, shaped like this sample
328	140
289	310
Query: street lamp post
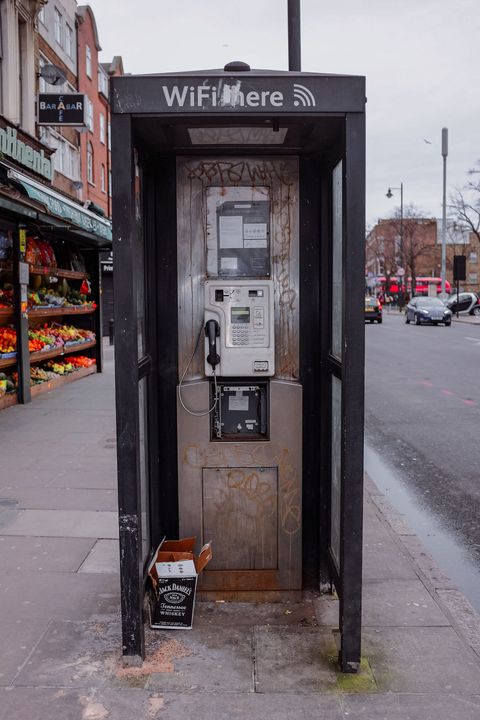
443	271
402	260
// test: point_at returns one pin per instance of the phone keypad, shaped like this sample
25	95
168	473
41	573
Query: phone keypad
240	335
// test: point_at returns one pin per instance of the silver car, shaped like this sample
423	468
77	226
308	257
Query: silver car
427	310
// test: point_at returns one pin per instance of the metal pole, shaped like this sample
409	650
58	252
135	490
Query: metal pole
402	254
294	48
444	215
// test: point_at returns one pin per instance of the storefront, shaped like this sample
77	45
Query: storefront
50	279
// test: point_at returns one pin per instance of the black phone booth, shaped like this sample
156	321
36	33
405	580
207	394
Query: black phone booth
238	224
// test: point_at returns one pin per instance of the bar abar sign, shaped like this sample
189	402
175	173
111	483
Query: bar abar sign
67	109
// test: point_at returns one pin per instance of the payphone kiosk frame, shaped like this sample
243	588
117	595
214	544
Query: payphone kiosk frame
228	117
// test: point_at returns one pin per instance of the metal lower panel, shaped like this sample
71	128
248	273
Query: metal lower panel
257	506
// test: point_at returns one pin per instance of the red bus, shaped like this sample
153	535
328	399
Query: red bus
421	285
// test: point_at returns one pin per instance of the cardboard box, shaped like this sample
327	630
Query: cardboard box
172	576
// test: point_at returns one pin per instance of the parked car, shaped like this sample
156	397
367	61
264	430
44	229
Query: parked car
467	303
373	310
427	310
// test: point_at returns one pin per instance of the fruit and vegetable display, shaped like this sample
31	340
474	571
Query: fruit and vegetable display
40	252
6	296
50	336
7	384
8	341
61	296
50	370
58	285
47	337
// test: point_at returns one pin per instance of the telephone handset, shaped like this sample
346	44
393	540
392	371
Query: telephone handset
212	331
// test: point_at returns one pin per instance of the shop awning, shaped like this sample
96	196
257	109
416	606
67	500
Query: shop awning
60	206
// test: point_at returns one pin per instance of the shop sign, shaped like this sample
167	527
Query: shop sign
64	209
11	146
61	109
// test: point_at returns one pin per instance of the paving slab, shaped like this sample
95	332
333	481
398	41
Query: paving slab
8	511
73	654
251	706
204	659
400	603
245	614
103	557
425	564
63	523
421	659
384	557
40	704
299	660
327	610
30	555
61	498
90	477
47	595
18	642
405	706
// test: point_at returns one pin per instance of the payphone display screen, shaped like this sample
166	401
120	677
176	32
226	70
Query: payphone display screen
240	314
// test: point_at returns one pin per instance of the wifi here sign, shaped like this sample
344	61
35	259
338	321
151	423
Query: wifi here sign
238	95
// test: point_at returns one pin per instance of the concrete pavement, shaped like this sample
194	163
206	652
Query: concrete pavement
59	605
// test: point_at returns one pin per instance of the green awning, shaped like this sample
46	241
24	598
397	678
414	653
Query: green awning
63	208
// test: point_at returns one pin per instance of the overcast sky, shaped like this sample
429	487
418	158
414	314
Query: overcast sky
420	58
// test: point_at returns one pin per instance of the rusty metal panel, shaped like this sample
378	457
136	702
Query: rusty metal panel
240	517
280	176
283	451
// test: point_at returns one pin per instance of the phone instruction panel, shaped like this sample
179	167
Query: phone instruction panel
238	232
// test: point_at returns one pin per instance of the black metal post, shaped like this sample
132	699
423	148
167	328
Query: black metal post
96	275
353	398
294	45
20	275
126	383
111	331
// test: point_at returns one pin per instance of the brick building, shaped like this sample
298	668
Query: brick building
93	79
421	254
57	45
385	253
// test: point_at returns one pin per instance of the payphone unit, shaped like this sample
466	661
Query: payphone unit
239	343
239	328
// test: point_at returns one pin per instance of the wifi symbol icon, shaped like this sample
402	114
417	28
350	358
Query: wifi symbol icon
302	96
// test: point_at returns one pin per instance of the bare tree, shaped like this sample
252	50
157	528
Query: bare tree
465	203
416	239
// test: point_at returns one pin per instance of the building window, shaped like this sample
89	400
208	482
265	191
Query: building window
42	85
66	157
90	177
41	15
109	136
58	26
89	114
472	257
102	179
110	183
24	97
102	81
88	61
472	278
69	41
102	128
